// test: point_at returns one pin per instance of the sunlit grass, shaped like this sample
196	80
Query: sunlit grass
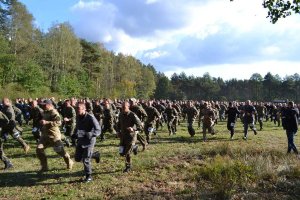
173	167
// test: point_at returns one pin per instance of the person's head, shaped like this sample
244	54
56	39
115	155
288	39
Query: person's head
189	103
248	102
34	103
6	101
48	104
125	106
106	103
149	103
81	109
291	104
230	104
67	103
132	101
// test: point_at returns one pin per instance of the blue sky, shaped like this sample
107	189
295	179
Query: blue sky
226	39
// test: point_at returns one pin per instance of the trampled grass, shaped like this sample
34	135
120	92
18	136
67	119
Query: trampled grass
173	167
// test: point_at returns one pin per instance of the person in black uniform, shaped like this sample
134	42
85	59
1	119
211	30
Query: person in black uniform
86	130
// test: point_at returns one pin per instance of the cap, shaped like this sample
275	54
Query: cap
48	101
132	99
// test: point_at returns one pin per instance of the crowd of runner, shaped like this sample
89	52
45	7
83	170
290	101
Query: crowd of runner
77	122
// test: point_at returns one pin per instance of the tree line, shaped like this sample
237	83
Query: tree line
58	63
268	88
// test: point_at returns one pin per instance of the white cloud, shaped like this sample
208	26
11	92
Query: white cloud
155	54
270	50
86	5
241	71
213	35
151	1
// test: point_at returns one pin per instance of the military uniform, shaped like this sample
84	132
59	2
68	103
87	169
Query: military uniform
36	114
153	115
12	128
208	121
70	113
248	119
51	137
232	114
142	115
171	117
108	122
127	138
261	112
98	113
4	122
192	114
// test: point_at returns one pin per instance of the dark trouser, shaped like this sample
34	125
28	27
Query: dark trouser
291	145
230	127
210	129
191	130
260	121
107	128
148	132
171	126
141	139
128	145
85	155
2	155
246	126
70	131
36	133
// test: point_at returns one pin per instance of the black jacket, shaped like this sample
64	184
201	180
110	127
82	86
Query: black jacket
87	129
290	119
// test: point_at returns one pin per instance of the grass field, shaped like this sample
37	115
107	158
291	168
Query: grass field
173	167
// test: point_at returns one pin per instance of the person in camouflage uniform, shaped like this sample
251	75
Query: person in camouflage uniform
248	118
232	113
51	137
153	115
4	121
201	106
261	112
192	114
98	112
36	114
127	126
12	128
18	115
208	120
108	120
142	115
69	119
171	113
177	118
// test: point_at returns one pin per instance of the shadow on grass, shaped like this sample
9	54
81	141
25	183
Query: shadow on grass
33	178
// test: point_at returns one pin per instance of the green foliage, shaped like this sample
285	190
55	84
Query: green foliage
281	8
32	78
226	176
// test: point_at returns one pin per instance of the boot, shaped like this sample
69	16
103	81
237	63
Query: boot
68	161
88	178
144	147
96	156
135	149
127	168
67	141
26	148
8	165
